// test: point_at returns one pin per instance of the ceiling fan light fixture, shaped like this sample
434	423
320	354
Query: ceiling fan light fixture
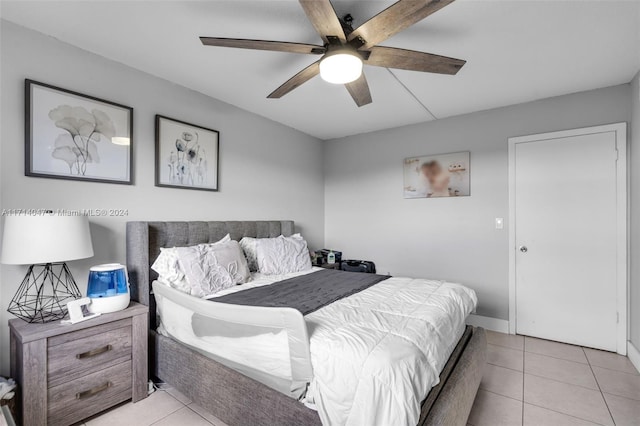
341	67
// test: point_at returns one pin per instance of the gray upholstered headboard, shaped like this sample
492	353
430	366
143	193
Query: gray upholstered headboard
144	240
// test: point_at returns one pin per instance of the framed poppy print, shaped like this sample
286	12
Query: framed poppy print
186	155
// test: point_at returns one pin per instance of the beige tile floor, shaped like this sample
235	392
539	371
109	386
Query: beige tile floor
164	407
527	382
533	382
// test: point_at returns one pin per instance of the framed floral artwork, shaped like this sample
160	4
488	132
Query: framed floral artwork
186	155
69	135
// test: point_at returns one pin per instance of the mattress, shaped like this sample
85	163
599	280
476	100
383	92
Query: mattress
375	354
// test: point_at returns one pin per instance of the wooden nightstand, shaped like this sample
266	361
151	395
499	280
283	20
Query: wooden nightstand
66	373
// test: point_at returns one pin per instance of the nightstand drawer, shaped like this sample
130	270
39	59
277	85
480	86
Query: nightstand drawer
72	355
88	395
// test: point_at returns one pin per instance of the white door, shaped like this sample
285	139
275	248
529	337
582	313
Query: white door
565	201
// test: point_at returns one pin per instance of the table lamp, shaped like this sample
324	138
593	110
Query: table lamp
45	242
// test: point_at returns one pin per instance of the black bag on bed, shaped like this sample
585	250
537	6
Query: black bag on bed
358	266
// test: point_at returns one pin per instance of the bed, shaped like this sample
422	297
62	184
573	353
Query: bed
239	399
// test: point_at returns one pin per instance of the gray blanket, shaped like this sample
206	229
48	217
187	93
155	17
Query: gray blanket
306	293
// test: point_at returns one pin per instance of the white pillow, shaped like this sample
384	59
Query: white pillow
202	271
250	249
282	255
169	271
229	255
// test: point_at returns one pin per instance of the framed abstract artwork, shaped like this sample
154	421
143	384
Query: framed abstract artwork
433	176
186	155
69	135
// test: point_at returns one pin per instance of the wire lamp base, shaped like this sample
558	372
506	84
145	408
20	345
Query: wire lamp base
44	293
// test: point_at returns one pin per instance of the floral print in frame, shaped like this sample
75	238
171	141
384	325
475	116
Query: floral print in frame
186	155
69	135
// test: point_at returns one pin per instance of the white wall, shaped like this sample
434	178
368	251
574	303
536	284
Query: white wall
454	239
635	211
267	170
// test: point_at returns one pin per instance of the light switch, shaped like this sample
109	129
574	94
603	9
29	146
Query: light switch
499	223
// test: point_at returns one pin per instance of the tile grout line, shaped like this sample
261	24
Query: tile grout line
562	359
205	419
499	394
540	406
565	383
502	366
171	413
617	371
495	393
506	347
606	404
588	363
544	377
564	414
621	396
555	357
577	362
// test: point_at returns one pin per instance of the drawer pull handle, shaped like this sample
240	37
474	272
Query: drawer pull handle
91	392
94	352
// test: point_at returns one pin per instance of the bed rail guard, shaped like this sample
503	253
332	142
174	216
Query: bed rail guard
211	318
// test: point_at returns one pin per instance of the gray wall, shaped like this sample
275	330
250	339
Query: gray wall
454	239
635	211
267	170
264	163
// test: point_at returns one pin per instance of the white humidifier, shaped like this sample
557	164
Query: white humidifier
108	288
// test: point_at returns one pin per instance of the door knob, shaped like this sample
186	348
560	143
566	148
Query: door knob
523	249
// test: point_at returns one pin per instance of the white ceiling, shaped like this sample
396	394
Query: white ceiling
516	51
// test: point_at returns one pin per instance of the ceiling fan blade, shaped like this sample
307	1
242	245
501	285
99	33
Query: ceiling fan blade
324	18
296	81
277	46
359	91
391	57
395	18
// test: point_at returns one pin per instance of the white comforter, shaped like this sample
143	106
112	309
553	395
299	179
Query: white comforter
376	354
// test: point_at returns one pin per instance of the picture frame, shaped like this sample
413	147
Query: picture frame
73	136
187	155
436	176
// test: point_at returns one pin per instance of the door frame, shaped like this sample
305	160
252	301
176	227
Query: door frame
622	271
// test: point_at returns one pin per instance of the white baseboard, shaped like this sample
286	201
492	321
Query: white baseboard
488	323
634	355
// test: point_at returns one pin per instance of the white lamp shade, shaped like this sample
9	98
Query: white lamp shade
341	67
30	240
119	140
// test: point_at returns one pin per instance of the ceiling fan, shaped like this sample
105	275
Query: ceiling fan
346	49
